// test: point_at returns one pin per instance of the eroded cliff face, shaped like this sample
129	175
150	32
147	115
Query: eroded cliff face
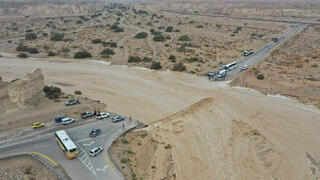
22	92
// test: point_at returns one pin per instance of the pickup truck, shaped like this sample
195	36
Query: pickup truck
247	52
85	115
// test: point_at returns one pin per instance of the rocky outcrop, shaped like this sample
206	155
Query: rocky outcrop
21	93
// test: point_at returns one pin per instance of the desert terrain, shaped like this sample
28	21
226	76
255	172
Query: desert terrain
227	132
27	168
293	69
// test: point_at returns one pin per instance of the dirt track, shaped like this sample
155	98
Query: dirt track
230	133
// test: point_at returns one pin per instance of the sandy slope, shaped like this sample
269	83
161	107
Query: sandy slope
224	133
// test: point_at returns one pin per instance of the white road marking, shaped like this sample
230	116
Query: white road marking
89	144
103	169
81	140
84	158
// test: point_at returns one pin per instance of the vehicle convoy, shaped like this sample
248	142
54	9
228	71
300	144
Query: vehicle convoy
37	125
248	52
95	151
103	115
66	144
95	132
66	121
72	102
85	115
117	119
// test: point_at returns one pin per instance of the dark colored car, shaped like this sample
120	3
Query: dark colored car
95	132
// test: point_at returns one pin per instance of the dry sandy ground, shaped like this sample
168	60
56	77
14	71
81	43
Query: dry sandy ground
293	69
224	132
26	169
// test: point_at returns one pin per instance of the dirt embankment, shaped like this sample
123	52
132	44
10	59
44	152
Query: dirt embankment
293	69
24	168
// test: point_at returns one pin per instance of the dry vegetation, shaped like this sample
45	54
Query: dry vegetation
293	69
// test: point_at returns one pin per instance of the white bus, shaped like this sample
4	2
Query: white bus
229	66
66	144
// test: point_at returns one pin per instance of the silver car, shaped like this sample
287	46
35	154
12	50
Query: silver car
95	151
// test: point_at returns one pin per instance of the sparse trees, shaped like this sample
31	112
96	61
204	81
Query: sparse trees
51	53
33	50
96	41
155	65
184	38
169	29
52	92
107	52
172	58
134	59
179	67
22	55
159	37
260	76
200	26
57	37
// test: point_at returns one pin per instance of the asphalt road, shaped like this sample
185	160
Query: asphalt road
259	55
84	167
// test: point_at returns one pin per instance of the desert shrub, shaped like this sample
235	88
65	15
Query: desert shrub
52	92
153	167
96	41
22	55
152	31
82	17
260	76
0	78
218	25
144	135
149	24
314	65
119	14
169	29
110	44
124	141
51	53
134	59
181	49
118	29
168	37
9	41
193	59
57	37
187	45
299	66
123	160
200	26
239	28
29	30
65	50
147	59
172	58
159	37
77	92
179	67
161	27
129	151
107	52
155	65
191	22
141	35
28	170
82	54
21	47
30	36
184	38
33	50
253	35
79	22
1	56
142	12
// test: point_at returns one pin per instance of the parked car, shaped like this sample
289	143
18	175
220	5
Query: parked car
65	121
95	132
117	119
85	115
103	115
95	151
274	39
37	125
58	119
72	102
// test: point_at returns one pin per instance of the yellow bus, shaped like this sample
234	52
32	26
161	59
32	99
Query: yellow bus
66	144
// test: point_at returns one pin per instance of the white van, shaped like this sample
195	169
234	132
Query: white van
95	151
65	121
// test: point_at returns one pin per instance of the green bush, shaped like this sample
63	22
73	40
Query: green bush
96	41
33	50
153	167
107	52
52	92
147	59
57	37
30	36
193	59
239	28
22	55
200	26
110	44
51	53
155	65
218	25
123	160
134	59
260	76
79	22
169	29
141	35
45	34
77	92
144	135
314	65
181	49
179	67
0	78
159	37
124	141
184	38
82	54
172	58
